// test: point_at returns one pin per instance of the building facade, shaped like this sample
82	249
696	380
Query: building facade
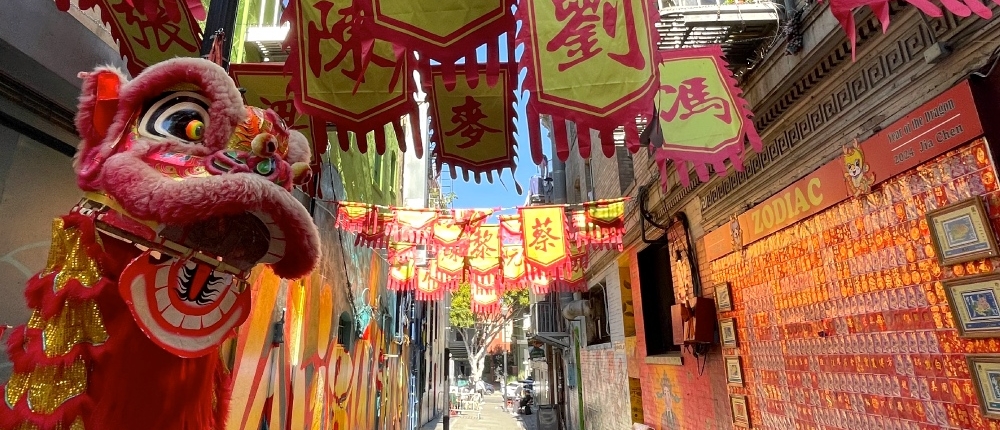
838	306
38	97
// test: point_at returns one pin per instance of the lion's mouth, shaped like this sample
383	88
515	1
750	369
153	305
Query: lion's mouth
242	241
185	307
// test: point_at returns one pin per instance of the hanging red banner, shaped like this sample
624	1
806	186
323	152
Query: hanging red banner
484	255
402	273
473	126
544	235
574	281
149	31
374	235
702	115
266	86
413	225
510	230
605	223
843	11
450	267
449	233
589	62
174	11
428	288
485	300
354	217
443	30
360	87
512	259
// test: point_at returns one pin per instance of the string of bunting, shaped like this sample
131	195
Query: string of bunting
544	248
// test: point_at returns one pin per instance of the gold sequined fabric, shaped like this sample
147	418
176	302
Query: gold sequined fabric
78	322
47	387
68	256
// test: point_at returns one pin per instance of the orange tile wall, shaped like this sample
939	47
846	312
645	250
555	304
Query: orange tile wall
842	320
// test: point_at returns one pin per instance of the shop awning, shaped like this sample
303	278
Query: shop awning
554	339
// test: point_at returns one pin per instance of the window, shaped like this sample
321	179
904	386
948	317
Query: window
656	291
588	176
598	328
392	171
345	331
377	171
626	171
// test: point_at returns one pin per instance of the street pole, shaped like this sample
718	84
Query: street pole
503	383
446	420
221	17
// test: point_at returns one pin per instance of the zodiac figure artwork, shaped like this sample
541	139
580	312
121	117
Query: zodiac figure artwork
186	190
856	170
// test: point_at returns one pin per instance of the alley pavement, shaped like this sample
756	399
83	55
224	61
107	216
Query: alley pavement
493	418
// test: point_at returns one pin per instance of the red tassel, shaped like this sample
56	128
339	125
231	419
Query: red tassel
448	75
397	128
534	133
560	135
583	140
493	62
471	71
608	141
344	139
380	141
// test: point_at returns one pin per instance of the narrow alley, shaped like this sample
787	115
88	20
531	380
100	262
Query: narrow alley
395	214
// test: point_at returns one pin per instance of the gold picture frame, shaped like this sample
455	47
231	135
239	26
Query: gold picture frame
975	305
740	409
985	372
734	370
723	298
727	332
961	232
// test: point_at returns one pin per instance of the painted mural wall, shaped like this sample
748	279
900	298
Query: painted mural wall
340	365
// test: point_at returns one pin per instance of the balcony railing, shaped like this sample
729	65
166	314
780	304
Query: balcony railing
266	33
547	317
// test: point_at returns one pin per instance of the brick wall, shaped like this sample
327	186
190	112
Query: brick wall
604	368
677	397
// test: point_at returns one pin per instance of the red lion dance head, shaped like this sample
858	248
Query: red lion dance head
186	190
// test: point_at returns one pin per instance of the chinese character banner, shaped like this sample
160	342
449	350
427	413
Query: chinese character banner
444	31
473	126
702	115
148	31
591	62
537	248
361	86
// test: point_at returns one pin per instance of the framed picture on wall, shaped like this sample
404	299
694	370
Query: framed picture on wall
985	371
975	304
741	412
734	371
723	302
727	331
961	232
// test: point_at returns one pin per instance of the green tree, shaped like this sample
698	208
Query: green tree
478	331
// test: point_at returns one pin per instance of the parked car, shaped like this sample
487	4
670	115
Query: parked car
511	390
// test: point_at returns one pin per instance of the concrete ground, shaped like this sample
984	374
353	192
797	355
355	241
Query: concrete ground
493	418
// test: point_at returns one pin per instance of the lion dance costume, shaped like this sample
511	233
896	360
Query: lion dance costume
186	190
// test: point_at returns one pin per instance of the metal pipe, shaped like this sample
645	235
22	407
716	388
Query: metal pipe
221	17
559	169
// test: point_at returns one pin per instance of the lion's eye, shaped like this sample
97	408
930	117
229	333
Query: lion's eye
178	115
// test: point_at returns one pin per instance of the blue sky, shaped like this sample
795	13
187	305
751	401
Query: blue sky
489	195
